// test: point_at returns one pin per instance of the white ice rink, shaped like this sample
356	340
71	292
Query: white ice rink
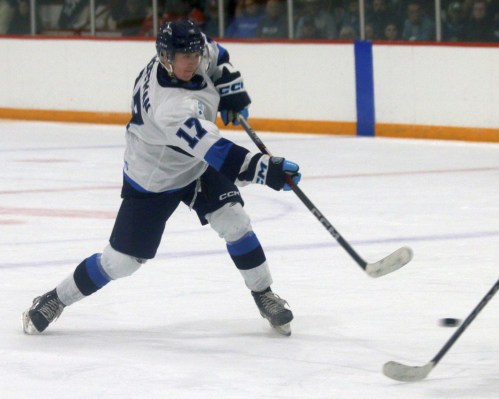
185	326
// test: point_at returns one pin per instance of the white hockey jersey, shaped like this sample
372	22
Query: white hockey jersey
172	137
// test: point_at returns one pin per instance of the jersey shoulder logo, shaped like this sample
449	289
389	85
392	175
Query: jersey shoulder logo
200	109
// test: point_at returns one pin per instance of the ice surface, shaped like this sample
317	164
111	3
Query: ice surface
185	326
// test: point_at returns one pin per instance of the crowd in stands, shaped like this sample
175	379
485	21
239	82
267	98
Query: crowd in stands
412	20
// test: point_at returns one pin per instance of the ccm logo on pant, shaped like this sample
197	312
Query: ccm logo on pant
229	195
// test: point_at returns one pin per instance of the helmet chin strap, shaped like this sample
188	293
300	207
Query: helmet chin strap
169	67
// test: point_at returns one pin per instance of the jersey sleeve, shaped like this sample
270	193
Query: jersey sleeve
219	56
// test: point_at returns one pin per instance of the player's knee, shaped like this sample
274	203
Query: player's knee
231	221
117	264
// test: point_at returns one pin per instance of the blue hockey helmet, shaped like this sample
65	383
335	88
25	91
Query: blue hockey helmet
181	36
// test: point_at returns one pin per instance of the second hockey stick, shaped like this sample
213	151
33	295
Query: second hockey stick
389	264
401	372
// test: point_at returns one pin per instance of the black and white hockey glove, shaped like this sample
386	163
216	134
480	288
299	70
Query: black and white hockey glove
271	171
233	96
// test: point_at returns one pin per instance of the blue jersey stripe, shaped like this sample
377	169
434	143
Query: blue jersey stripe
218	152
244	245
95	272
136	186
223	55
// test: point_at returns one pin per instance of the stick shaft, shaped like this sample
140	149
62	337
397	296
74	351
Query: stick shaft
452	340
306	201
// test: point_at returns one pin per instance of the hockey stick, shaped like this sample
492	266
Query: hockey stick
401	372
384	266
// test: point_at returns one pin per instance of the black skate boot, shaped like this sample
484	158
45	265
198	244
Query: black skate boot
274	310
45	310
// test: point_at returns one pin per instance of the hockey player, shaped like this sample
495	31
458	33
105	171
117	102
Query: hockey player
175	153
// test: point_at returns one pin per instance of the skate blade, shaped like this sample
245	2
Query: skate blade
285	329
28	327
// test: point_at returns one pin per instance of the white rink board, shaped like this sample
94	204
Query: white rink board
421	85
447	86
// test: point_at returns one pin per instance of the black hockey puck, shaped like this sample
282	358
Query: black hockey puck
449	322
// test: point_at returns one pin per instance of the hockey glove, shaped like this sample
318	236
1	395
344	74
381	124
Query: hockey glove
233	96
231	116
271	171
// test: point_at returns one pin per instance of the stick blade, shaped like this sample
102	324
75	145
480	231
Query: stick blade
401	372
392	262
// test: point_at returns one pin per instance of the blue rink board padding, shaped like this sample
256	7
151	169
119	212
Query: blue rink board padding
364	88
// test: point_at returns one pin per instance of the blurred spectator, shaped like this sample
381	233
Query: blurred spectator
453	25
307	28
496	22
324	26
274	24
351	17
232	7
480	26
378	16
74	14
20	23
337	10
6	13
369	32
399	10
391	31
467	6
417	26
347	32
180	9
128	16
245	24
173	11
211	25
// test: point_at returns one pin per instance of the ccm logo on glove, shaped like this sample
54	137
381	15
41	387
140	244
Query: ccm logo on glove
233	96
231	89
260	177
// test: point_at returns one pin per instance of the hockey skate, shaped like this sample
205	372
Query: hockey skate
45	310
274	310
